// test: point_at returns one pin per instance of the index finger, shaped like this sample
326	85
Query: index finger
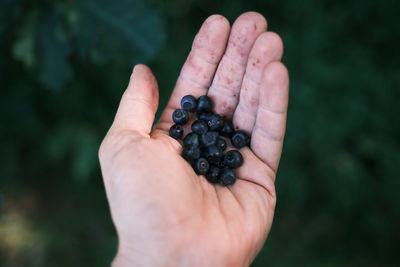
199	69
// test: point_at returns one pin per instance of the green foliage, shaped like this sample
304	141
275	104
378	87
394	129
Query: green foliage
51	34
65	64
53	51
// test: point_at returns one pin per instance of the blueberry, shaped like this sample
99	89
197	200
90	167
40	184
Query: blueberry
227	130
201	166
176	131
233	159
215	122
228	177
221	144
188	103
204	104
239	139
214	154
180	116
209	138
200	127
205	116
213	175
221	165
191	140
191	153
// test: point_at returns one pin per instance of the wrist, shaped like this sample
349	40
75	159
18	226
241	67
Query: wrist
129	256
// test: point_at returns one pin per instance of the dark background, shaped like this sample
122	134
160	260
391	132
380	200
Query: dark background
65	64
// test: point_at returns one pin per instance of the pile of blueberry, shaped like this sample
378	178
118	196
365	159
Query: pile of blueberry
204	147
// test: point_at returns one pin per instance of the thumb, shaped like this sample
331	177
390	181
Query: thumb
139	103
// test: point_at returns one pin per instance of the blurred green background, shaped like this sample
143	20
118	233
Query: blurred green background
65	64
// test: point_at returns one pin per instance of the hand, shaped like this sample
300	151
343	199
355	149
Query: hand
164	213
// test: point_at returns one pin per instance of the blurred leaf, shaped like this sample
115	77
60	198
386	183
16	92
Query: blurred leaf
107	28
24	46
23	50
53	51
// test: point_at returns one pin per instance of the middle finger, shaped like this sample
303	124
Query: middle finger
228	79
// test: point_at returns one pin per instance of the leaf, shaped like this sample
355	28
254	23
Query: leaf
23	49
108	27
53	52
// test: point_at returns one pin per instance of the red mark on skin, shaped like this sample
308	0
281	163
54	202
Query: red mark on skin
237	127
255	26
242	52
234	94
225	109
257	62
211	53
254	102
228	81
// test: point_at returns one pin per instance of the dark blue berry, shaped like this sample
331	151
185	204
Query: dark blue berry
191	140
220	165
176	131
188	103
204	104
180	116
213	174
215	122
228	177
201	166
239	139
221	144
233	159
203	148
214	154
209	138
205	116
227	130
200	127
191	153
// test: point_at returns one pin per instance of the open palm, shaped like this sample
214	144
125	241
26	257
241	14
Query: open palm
166	214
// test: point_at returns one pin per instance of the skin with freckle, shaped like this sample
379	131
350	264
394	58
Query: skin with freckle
268	48
164	213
